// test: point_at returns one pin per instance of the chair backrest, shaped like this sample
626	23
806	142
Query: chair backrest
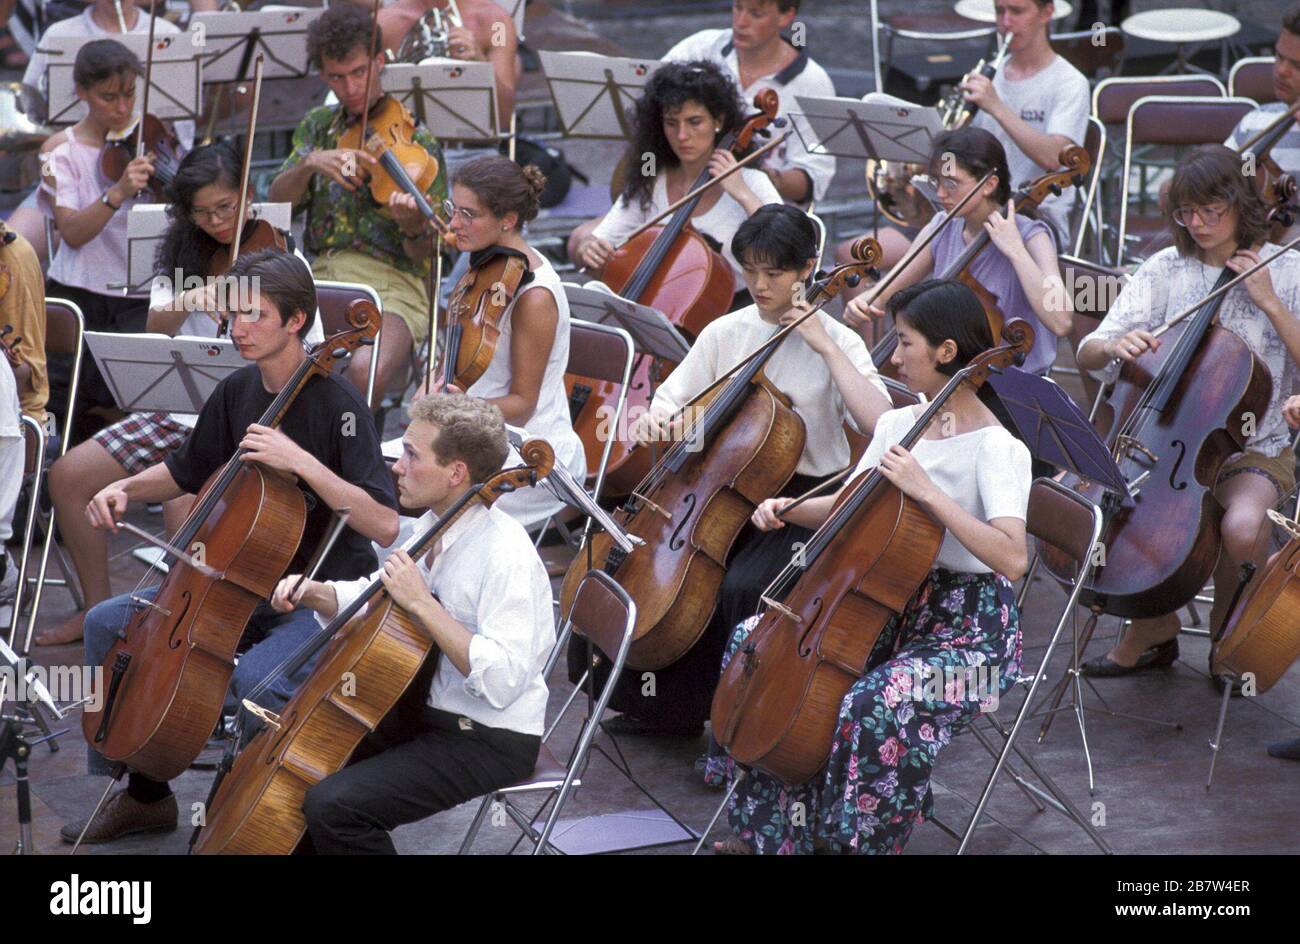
1114	97
600	352
821	233
332	301
1096	54
1181	121
34	441
1063	518
64	326
602	612
1093	288
1253	78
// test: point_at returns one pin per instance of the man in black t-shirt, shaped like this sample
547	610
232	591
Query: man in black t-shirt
327	439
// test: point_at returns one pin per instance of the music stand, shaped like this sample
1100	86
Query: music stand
232	40
593	93
155	372
455	100
146	224
175	85
651	330
1055	429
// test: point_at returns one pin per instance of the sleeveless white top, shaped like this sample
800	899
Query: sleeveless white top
550	421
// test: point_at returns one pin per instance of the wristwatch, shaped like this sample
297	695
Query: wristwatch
103	198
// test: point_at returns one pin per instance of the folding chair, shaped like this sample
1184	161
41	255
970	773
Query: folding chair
33	478
1253	78
936	28
602	353
1070	523
604	614
821	233
332	301
64	328
1094	142
1098	54
1112	99
1168	121
1093	288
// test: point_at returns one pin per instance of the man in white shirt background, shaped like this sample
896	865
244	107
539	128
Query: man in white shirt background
472	720
756	52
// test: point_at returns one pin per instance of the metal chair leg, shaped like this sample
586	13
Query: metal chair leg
1217	741
731	790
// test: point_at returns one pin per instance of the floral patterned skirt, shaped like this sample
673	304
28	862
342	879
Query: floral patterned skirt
953	653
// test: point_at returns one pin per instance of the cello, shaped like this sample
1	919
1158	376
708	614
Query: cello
370	660
1076	164
1179	413
777	702
1261	635
167	673
744	444
673	269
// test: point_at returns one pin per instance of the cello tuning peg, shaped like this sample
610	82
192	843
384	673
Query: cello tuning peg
779	122
1056	189
853	280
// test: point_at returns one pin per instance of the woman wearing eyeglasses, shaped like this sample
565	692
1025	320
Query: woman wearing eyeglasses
1020	269
204	201
1217	220
492	199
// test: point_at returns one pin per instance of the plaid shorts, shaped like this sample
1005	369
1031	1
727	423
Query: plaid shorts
142	440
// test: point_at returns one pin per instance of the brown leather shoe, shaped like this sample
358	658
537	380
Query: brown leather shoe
122	816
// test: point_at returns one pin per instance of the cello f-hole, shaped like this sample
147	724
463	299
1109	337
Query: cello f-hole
1175	482
676	542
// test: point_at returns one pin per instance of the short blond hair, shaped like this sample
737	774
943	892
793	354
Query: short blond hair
470	430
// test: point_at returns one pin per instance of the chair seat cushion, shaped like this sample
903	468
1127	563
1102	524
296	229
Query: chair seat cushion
547	772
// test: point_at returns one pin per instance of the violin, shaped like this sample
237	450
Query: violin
257	807
777	702
257	234
743	444
1076	164
167	674
474	314
671	268
152	137
1261	634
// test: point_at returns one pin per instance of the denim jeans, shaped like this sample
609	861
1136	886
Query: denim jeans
277	635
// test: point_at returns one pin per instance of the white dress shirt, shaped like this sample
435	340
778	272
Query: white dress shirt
488	576
803	76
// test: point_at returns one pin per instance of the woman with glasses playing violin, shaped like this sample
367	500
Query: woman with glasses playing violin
204	204
1217	220
1020	270
492	200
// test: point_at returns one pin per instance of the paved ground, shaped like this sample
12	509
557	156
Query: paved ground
1150	794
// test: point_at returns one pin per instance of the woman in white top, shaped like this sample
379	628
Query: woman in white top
957	646
204	200
492	199
826	371
684	111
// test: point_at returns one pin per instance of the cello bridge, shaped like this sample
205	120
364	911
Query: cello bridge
652	506
269	718
1129	444
782	609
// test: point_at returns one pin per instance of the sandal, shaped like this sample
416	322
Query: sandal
732	845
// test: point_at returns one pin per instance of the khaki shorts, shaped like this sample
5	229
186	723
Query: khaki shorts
1280	470
401	293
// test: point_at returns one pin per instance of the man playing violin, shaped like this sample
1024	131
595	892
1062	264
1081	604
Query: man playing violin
353	238
327	440
472	720
1217	220
487	35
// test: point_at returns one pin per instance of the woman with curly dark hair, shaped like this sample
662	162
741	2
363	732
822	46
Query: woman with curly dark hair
203	200
685	110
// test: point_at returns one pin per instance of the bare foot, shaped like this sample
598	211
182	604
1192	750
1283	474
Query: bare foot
732	845
67	632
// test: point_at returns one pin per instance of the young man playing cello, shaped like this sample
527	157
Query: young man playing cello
826	371
327	440
472	720
1217	220
351	237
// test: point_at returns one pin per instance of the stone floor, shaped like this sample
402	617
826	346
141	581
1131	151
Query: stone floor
1150	779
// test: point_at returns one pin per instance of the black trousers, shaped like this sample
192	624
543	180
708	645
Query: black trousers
683	692
113	313
418	762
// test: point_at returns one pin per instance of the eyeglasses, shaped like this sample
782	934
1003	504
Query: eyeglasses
452	211
1209	215
219	212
